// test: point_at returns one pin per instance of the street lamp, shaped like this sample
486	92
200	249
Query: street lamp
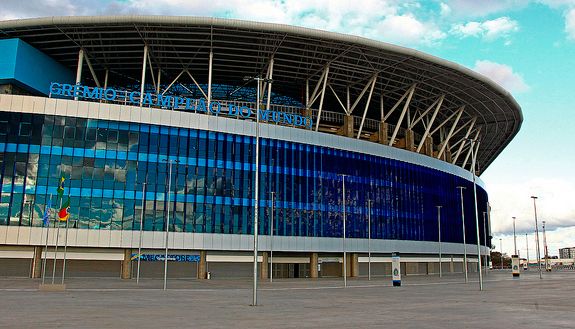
514	237
527	247
537	236
141	229
501	248
461	188
473	164
259	80
368	239
170	162
485	239
343	176
439	235
272	237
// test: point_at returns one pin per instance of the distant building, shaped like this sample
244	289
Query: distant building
567	253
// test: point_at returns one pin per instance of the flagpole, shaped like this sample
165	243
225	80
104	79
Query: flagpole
46	248
56	249
60	194
65	248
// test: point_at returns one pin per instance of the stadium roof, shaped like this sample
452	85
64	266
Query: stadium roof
244	48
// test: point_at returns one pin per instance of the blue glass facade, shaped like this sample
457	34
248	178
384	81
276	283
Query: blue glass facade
106	163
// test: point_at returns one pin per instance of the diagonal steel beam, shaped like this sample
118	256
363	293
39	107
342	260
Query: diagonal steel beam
430	123
321	99
471	125
446	141
374	79
405	107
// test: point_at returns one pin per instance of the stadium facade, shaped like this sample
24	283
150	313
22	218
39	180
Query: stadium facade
150	117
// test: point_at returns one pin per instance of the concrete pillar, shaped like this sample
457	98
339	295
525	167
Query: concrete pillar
448	154
36	271
313	263
126	264
202	265
451	266
347	128
354	264
264	268
409	140
428	146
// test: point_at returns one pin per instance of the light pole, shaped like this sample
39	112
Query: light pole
501	248
343	242
272	238
527	247
473	164
514	237
141	229
368	240
259	80
485	239
537	236
170	162
545	252
439	236
461	188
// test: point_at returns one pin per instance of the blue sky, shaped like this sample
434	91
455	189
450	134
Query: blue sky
527	46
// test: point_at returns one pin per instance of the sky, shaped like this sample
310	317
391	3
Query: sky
527	46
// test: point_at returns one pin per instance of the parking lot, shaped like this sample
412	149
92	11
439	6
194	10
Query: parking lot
421	302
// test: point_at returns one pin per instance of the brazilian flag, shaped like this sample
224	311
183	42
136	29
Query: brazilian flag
61	187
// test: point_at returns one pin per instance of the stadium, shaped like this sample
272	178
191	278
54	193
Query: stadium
149	123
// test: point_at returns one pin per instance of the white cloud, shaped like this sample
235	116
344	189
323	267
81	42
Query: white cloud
489	30
444	9
554	204
570	24
406	29
385	20
502	74
480	8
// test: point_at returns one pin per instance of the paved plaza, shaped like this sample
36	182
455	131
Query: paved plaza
422	302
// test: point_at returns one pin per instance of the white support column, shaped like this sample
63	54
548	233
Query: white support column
374	79
174	81
348	100
79	68
321	99
338	100
158	85
307	94
405	107
446	141
367	85
438	128
315	94
209	97
430	123
152	71
398	102
471	125
270	77
382	113
106	79
92	70
143	80
469	152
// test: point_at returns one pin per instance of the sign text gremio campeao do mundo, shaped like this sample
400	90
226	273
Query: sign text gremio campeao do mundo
176	102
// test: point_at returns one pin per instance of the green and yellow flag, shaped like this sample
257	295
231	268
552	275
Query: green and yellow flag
61	186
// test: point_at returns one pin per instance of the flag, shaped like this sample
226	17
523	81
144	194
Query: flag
46	218
63	214
61	186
